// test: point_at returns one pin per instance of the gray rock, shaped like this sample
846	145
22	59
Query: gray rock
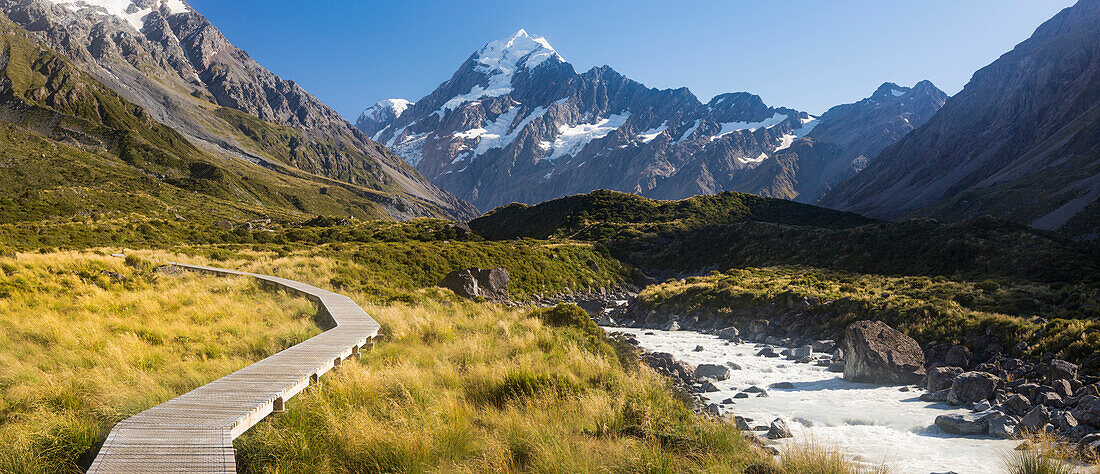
782	386
778	429
982	406
742	423
971	387
940	396
698	349
958	356
709	387
825	346
733	366
1035	419
491	284
966	423
712	410
1049	399
877	353
1088	412
712	371
837	366
1003	426
767	351
1059	369
802	352
940	378
754	389
1063	420
729	334
672	326
1017	404
741	395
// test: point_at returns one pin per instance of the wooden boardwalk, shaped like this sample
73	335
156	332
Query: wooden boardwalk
195	432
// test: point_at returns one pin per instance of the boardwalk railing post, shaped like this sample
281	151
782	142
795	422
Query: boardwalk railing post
278	406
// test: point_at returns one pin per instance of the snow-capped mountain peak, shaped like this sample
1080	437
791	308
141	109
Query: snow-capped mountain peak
391	107
130	11
519	50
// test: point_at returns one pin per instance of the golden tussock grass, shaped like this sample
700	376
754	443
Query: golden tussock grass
86	340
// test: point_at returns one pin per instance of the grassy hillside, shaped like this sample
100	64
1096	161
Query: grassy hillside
605	214
87	340
732	230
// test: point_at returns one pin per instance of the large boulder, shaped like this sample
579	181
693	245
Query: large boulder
712	371
940	378
1061	370
1088	412
491	284
970	387
966	423
1036	419
877	353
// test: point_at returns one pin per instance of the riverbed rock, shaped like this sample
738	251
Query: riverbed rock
767	351
1059	369
1035	419
1064	421
802	352
1088	412
778	429
940	378
1017	404
1003	426
783	386
754	389
730	334
824	346
1049	399
877	353
958	356
672	326
742	423
712	371
665	364
970	387
965	423
699	349
709	387
837	366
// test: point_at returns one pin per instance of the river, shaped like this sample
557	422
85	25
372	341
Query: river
873	424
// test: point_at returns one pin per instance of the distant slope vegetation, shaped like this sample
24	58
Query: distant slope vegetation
732	230
73	147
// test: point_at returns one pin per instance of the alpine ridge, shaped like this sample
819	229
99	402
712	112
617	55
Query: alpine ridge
517	123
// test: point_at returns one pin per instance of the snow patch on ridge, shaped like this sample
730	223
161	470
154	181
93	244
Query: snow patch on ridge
808	125
573	139
728	128
648	135
126	10
499	133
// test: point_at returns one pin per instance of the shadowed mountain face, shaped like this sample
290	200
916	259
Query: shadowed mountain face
517	123
169	59
1017	143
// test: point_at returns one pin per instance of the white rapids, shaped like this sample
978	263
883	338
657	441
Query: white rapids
874	424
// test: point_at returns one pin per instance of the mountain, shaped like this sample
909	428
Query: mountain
516	123
1018	143
844	141
74	148
167	58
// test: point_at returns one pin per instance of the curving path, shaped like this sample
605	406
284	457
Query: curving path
195	432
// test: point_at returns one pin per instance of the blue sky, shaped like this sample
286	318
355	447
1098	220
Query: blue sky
806	54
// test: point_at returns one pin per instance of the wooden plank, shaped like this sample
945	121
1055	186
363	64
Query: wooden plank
194	432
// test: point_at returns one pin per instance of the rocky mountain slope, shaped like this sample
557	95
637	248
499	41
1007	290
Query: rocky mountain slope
517	123
167	58
1019	141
